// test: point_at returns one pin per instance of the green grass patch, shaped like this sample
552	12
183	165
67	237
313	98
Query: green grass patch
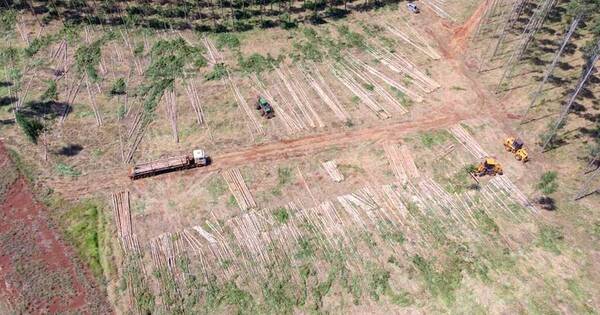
86	228
550	239
284	175
485	223
216	187
228	40
27	170
66	170
232	202
444	281
305	250
401	97
431	138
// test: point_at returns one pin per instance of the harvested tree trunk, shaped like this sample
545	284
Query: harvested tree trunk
535	22
585	189
512	17
171	106
92	97
550	69
580	85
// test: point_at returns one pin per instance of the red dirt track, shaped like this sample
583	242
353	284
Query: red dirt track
38	272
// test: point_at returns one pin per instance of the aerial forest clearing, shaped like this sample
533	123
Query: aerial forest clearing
432	156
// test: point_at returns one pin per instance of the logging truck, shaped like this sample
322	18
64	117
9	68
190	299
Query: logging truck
171	164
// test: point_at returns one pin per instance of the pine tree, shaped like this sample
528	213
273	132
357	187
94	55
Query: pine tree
31	127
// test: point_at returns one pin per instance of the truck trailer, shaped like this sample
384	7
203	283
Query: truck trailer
198	158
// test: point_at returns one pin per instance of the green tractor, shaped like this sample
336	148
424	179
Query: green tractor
265	108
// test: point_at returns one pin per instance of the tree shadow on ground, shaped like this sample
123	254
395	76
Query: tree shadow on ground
7	121
70	150
7	100
46	110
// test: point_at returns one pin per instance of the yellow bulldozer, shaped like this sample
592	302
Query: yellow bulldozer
517	147
489	166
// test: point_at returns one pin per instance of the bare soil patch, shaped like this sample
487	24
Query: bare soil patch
38	271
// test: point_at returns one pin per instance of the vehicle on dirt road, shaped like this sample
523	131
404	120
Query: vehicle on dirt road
198	158
412	7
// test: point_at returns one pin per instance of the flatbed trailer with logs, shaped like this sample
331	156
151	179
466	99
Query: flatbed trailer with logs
170	164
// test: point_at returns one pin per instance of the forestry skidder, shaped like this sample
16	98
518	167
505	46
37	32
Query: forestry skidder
516	147
265	108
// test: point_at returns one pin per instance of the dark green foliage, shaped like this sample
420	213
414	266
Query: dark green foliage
169	60
87	59
51	94
8	18
9	55
378	283
393	235
38	44
547	184
278	295
119	87
256	63
219	71
31	127
306	249
228	40
445	282
350	38
281	215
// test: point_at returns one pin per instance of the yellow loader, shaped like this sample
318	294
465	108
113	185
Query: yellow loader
489	166
517	147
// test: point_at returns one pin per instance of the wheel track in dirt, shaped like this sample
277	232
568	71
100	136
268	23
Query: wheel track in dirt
273	151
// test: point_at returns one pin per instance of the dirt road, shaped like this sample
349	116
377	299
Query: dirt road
112	181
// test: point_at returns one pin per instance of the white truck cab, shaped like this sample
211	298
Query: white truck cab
412	7
200	157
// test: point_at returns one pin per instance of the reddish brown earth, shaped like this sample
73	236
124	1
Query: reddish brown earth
38	271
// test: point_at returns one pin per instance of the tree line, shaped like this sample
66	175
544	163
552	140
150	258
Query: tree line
200	15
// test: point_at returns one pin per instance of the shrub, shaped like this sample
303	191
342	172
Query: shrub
219	71
31	127
281	215
256	63
547	184
118	87
228	40
87	59
51	94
